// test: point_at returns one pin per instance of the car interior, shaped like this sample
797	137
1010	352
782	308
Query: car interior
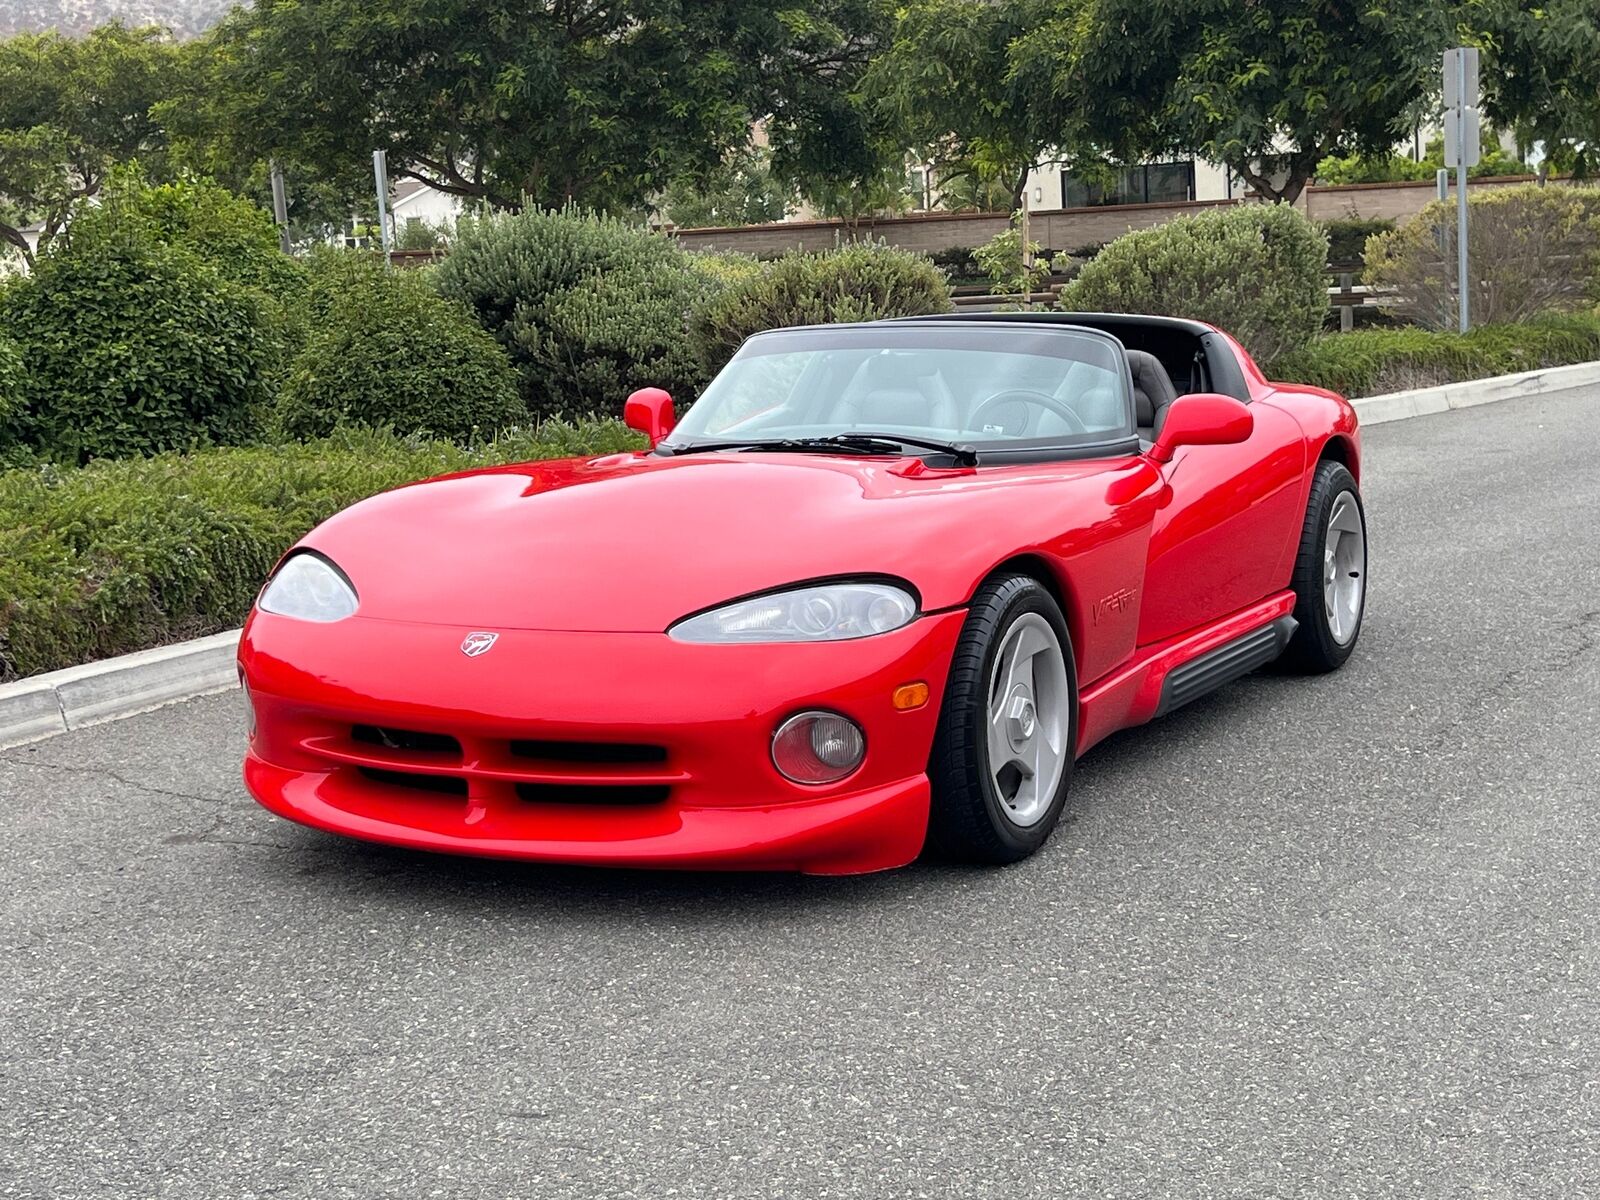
989	389
1167	358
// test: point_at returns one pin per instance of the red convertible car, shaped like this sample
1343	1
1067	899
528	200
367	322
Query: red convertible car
877	591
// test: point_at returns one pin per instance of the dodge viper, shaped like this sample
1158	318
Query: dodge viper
875	592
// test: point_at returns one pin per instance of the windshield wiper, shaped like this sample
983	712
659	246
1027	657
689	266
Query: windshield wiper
847	443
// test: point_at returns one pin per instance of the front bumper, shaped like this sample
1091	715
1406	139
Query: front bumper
620	749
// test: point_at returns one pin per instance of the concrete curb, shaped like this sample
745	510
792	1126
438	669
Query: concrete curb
1422	402
46	705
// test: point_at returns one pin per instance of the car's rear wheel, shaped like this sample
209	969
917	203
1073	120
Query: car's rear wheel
1003	753
1330	574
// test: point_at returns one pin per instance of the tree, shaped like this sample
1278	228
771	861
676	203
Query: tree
1539	77
949	81
69	110
589	101
741	191
1270	89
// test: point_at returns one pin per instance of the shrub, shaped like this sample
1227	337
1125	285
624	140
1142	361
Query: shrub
1000	258
1532	249
10	389
233	235
1347	237
857	283
589	308
1372	362
135	348
122	556
1255	270
386	350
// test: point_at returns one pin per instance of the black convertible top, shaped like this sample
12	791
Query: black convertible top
1168	338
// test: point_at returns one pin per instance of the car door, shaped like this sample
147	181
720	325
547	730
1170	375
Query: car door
1226	528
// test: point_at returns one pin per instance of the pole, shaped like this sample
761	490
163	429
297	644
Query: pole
1027	256
380	175
1461	244
280	207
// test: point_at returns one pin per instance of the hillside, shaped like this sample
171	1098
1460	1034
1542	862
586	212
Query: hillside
184	17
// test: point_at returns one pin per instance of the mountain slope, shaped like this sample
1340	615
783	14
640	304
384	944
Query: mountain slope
184	17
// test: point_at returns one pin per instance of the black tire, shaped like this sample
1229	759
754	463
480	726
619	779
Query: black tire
1314	649
966	822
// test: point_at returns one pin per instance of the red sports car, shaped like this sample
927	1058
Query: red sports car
877	590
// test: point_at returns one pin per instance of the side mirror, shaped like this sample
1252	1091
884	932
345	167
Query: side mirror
649	410
1202	419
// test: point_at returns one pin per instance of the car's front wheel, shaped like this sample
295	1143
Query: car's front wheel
1330	573
1004	749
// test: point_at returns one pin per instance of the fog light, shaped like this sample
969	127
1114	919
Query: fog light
818	747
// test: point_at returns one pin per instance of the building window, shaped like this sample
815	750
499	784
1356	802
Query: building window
919	186
1154	183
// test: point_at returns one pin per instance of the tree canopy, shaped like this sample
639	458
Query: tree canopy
1541	76
1268	89
949	84
587	101
69	110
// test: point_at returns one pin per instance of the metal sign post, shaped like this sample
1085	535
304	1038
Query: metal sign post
380	175
1461	148
280	207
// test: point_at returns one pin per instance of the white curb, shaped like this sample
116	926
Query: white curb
45	705
1422	402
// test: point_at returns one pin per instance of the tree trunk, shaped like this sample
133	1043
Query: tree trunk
1300	172
13	236
1019	193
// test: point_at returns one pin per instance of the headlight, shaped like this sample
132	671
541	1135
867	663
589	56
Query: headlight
310	588
824	612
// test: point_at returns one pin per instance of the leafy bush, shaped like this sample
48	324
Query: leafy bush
386	350
1255	270
231	234
1000	258
122	556
1532	249
589	308
135	348
1347	237
1373	362
10	388
857	283
1388	168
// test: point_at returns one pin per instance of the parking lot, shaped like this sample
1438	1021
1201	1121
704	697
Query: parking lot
1335	937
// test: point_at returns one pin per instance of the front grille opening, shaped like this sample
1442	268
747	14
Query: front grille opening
405	739
442	785
590	752
589	793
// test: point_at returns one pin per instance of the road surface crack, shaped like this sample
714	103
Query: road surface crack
106	773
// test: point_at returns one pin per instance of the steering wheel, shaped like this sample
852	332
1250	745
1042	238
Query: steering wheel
1026	396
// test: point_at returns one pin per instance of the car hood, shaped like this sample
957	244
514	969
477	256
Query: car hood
635	542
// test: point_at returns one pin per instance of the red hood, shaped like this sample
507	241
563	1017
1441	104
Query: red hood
634	542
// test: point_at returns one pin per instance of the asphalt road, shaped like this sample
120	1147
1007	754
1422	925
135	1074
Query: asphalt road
1337	938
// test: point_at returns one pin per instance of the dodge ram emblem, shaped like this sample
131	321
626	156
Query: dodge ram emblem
475	644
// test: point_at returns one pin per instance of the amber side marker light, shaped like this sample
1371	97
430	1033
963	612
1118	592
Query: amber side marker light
910	695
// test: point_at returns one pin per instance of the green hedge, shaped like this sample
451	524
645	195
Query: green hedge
135	350
863	282
589	308
1373	362
386	350
1257	270
122	556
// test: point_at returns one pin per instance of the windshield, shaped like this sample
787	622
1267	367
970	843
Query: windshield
997	386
